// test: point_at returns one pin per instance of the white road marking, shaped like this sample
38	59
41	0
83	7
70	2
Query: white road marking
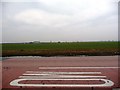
76	67
60	77
107	83
38	72
35	74
66	76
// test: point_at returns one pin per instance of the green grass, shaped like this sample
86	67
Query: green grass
62	47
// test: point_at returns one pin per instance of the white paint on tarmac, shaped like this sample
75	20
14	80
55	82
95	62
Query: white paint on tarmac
60	76
35	74
107	83
64	76
39	72
77	67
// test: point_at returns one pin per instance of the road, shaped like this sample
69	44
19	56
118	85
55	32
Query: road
60	73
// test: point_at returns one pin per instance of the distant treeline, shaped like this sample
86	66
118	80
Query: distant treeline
60	48
32	42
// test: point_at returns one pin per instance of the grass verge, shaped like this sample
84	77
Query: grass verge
60	49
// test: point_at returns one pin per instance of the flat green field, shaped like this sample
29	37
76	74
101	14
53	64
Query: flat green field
60	49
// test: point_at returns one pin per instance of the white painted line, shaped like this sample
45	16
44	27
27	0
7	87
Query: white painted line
60	77
107	83
48	74
78	67
38	72
55	79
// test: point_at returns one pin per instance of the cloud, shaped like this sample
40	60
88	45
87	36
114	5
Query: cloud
58	20
75	6
40	17
64	12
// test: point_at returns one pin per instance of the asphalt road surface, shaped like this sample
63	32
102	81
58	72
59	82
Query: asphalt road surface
60	73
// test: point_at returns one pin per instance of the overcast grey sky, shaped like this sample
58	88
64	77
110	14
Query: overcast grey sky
59	20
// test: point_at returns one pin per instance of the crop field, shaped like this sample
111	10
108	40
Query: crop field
60	49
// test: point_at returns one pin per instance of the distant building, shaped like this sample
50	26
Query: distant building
36	42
